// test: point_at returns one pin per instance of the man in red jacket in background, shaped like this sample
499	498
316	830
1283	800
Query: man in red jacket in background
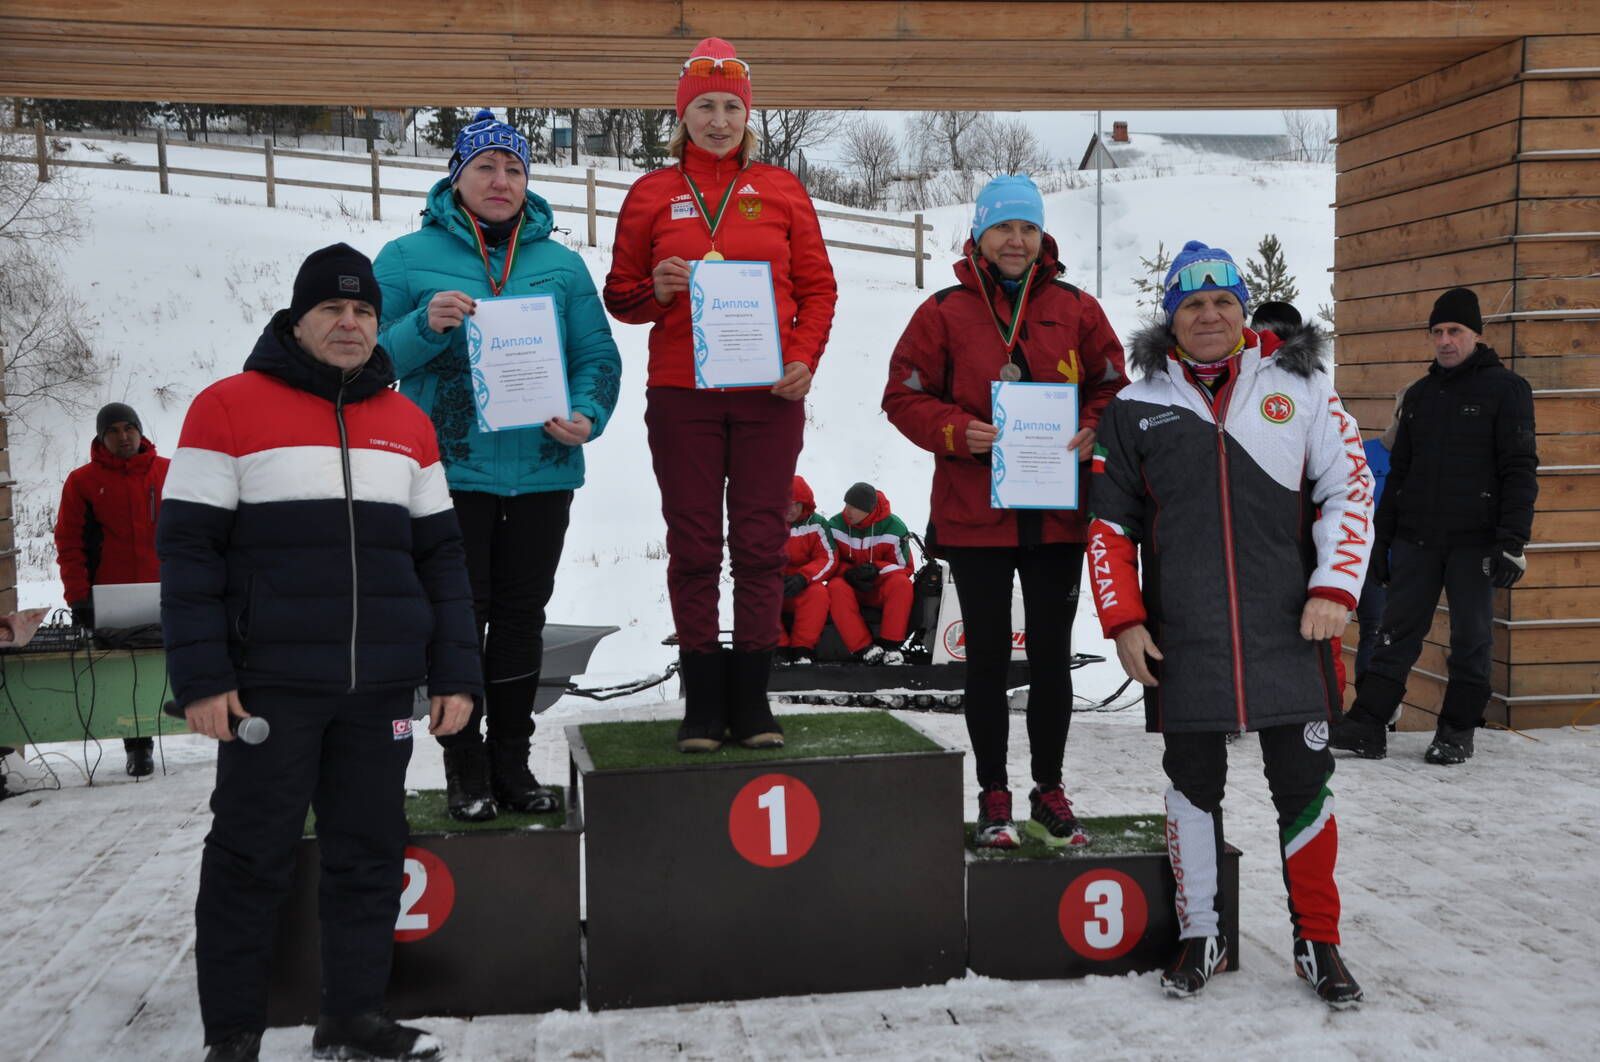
106	527
808	561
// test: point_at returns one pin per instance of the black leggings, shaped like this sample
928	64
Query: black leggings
513	545
1050	599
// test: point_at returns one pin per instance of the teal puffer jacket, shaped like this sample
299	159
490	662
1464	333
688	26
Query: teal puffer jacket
443	256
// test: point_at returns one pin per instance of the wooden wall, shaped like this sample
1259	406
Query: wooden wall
1487	175
8	538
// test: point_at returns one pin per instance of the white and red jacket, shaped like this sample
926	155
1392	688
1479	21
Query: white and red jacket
810	549
769	218
1218	500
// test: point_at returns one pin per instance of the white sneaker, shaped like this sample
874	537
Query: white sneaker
872	655
893	658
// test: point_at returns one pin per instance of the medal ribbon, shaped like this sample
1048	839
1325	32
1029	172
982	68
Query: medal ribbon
1008	333
712	223
483	250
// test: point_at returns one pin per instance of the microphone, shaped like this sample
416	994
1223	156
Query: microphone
252	729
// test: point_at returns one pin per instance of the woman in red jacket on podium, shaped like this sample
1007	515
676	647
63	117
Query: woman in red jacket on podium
717	203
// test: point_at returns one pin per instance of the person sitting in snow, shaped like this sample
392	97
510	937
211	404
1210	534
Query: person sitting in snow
809	559
874	568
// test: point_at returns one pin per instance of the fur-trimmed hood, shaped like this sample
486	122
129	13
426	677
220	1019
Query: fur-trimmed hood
1302	351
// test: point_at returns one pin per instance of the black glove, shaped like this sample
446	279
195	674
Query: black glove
1506	566
82	614
862	576
1378	567
793	585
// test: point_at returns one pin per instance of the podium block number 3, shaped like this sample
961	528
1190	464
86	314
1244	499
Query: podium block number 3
428	897
774	820
1103	913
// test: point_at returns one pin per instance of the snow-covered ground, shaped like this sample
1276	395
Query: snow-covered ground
1466	891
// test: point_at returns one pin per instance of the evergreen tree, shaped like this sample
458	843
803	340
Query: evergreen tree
1269	279
1150	284
447	122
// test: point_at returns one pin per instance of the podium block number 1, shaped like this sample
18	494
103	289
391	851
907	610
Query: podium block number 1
774	820
1102	914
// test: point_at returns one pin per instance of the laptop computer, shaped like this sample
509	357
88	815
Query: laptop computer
121	605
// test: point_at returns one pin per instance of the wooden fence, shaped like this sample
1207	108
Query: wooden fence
375	164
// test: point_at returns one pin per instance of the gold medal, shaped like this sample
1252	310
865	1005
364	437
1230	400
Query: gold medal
712	255
1010	373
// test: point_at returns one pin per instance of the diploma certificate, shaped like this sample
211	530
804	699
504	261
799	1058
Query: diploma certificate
1031	466
735	319
519	373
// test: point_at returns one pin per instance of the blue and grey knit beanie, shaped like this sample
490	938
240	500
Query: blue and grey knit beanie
1189	274
486	133
1009	197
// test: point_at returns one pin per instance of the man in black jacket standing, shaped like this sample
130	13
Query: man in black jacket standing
1455	514
312	574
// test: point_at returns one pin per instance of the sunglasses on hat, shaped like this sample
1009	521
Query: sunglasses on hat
705	66
1195	275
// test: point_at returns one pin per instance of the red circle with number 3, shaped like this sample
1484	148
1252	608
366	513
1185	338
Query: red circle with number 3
774	820
1103	914
427	897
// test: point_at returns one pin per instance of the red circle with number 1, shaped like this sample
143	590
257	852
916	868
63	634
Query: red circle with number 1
427	898
1103	914
774	820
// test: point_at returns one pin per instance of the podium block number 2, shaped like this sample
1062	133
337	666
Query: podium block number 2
774	820
1103	913
427	898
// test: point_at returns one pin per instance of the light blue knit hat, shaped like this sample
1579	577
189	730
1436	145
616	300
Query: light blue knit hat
1009	197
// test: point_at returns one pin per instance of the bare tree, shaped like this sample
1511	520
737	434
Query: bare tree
1007	145
870	150
43	353
785	132
1309	135
947	135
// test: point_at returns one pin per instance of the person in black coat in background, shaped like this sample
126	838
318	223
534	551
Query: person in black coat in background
312	574
1456	511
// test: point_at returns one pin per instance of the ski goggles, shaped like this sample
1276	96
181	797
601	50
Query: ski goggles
706	66
1195	276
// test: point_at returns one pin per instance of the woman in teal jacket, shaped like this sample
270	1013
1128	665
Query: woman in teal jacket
484	234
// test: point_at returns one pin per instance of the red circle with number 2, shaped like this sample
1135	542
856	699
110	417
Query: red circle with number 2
427	898
774	820
1103	914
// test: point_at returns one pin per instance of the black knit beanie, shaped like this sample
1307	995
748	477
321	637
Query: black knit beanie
1276	317
861	496
1457	306
114	413
335	272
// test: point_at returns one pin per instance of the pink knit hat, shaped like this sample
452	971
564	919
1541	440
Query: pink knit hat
692	85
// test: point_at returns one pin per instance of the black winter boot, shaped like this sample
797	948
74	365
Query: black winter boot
240	1047
1364	730
1370	741
512	781
1321	966
1450	746
753	724
1199	958
141	756
466	779
373	1035
705	701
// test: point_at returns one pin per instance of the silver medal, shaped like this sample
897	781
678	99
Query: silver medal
1010	373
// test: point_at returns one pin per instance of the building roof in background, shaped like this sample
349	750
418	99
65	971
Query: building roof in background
1154	149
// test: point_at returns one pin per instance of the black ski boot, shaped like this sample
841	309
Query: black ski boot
1321	966
752	724
705	701
240	1047
373	1035
1451	745
512	782
466	779
141	756
1198	959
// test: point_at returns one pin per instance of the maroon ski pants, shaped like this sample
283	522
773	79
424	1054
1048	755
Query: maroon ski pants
706	445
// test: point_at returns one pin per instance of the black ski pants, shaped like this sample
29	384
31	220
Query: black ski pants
513	546
1049	575
344	756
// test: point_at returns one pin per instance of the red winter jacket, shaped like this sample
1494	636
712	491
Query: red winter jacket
951	352
769	219
106	528
810	549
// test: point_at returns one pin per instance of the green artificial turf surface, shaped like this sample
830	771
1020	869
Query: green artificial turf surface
426	811
618	746
1110	835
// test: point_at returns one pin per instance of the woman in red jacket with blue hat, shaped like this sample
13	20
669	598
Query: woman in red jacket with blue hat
717	203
